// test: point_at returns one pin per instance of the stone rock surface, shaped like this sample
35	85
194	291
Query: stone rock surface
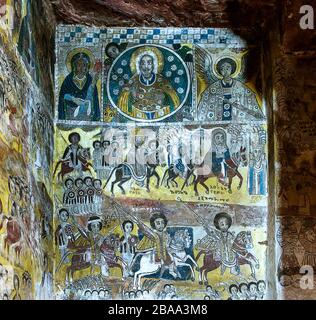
194	13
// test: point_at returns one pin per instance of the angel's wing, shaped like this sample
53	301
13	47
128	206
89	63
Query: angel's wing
203	65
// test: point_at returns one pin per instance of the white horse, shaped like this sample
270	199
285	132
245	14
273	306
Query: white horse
176	250
147	266
181	241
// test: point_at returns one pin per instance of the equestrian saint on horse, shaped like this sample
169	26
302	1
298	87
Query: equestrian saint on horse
202	173
66	167
241	246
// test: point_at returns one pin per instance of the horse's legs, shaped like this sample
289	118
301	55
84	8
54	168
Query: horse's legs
186	182
173	180
112	186
188	257
204	279
207	190
168	179
197	180
158	178
122	182
201	275
230	180
136	282
162	271
183	264
240	178
205	275
148	175
132	263
253	270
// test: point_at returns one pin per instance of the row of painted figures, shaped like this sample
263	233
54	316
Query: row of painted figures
109	159
155	250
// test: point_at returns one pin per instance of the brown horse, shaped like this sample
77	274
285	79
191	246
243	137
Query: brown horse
81	258
83	156
241	245
232	171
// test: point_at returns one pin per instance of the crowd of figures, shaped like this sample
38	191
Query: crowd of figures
248	291
79	294
83	195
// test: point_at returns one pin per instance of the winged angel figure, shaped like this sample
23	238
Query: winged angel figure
226	97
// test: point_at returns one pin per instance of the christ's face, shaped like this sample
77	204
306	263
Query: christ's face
146	66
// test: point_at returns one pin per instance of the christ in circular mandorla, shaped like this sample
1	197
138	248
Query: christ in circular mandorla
148	95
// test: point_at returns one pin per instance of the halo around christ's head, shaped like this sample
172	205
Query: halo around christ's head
153	52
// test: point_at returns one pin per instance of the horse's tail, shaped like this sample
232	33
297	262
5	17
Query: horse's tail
109	178
164	176
57	165
134	175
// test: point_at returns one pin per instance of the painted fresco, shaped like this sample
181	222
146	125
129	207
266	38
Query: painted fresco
221	164
26	151
79	96
160	165
151	75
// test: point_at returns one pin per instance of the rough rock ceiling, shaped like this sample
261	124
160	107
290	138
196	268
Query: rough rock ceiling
258	14
197	13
